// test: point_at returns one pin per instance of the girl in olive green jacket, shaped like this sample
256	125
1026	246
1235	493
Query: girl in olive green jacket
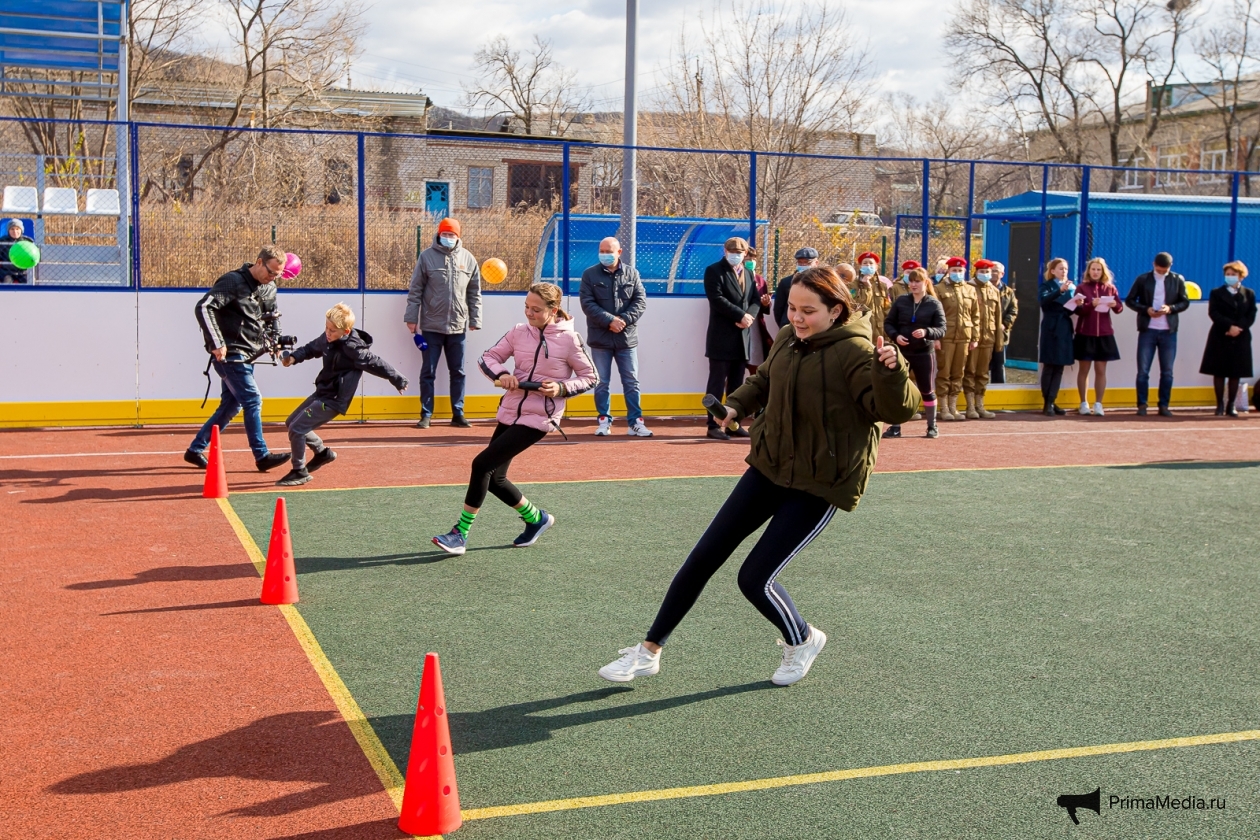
824	388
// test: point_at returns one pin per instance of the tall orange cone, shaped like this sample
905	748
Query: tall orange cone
216	474
430	799
280	578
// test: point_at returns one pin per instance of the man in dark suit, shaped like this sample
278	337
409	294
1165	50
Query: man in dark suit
733	306
1157	296
805	258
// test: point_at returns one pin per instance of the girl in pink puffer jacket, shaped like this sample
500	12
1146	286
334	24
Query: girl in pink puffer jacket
551	364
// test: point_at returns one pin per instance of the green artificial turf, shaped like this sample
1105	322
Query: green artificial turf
969	614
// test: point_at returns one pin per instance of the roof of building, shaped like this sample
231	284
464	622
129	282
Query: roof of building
340	101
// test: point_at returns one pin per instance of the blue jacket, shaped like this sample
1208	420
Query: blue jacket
606	295
1056	324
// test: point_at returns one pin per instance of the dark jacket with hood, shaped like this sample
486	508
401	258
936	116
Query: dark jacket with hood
231	313
905	317
823	398
345	361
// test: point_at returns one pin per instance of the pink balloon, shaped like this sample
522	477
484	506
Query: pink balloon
292	266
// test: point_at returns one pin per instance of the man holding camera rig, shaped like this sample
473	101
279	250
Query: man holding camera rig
233	316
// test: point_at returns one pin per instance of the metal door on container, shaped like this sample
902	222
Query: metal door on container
437	198
1023	270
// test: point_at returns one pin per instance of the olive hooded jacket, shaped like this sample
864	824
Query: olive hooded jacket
823	398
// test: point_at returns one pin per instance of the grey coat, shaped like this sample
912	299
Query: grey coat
445	292
607	295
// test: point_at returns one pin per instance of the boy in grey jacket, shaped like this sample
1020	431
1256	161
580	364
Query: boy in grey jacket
443	302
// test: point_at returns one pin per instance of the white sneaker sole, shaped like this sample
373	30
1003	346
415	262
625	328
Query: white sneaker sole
447	549
618	677
643	434
603	432
822	641
546	526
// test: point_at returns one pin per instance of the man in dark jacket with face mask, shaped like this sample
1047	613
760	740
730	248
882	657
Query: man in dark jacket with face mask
734	304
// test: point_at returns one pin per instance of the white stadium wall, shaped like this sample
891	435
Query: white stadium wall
122	357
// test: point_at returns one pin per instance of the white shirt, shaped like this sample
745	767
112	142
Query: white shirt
1159	322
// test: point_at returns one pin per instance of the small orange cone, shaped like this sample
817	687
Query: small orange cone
430	803
280	578
216	474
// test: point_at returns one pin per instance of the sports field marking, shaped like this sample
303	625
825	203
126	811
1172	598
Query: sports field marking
855	773
363	732
955	433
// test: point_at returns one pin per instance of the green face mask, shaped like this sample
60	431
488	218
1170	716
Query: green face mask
751	265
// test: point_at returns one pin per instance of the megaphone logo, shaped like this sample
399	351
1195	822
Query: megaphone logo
1072	801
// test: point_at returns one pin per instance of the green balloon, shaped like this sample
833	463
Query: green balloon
24	255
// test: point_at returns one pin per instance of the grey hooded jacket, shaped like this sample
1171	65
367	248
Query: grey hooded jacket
445	291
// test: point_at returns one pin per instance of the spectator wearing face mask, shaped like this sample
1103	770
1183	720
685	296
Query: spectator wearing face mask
870	292
962	334
760	338
1010	311
942	270
901	286
1227	356
805	258
614	300
990	335
734	304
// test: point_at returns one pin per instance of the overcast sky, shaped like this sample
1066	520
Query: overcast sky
428	45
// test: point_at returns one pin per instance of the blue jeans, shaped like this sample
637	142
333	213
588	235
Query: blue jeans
239	392
454	346
628	367
1149	341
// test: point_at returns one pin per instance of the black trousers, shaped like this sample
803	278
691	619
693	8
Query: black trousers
923	368
796	517
489	468
1051	379
997	367
725	375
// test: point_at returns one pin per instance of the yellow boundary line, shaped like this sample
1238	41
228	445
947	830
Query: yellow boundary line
371	745
855	773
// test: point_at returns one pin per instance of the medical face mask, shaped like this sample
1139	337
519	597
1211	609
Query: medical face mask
607	259
734	259
937	277
448	241
1232	279
751	265
955	277
983	277
868	270
801	268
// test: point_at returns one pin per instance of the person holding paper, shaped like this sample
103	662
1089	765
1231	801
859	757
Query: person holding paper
1058	298
1095	342
1158	296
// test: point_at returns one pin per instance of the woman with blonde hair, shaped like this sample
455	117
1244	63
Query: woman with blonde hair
549	365
1227	356
1095	341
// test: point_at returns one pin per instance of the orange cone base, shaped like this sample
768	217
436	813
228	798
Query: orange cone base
280	578
431	798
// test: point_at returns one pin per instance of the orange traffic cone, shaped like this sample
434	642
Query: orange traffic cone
216	474
280	578
430	799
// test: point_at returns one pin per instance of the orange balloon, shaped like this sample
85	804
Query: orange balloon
494	271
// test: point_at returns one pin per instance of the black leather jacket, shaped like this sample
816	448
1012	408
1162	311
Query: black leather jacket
231	313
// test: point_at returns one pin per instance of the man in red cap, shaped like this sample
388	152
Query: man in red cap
871	292
443	303
991	335
962	317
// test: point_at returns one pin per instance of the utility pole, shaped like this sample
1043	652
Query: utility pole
630	139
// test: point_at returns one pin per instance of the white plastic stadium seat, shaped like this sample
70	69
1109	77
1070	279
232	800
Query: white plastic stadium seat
103	203
21	200
60	201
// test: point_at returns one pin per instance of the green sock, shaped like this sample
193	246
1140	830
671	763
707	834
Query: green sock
528	512
465	522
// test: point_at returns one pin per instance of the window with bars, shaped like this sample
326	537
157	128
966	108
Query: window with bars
480	187
532	184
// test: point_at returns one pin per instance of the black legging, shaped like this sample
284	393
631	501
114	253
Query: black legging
923	366
796	517
489	468
1051	380
1218	384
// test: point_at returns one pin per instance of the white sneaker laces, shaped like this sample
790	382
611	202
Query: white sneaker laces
789	653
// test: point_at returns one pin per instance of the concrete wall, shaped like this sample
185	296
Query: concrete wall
107	357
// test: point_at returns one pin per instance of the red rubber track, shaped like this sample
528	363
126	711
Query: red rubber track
148	694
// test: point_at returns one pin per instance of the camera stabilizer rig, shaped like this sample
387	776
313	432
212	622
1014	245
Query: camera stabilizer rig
275	344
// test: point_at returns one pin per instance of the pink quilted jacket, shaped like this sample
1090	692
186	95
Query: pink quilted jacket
556	354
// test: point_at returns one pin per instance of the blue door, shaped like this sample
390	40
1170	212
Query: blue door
437	198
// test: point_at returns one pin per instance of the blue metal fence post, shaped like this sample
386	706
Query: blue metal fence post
1041	246
134	245
924	208
361	192
1082	252
1233	216
564	205
971	204
752	199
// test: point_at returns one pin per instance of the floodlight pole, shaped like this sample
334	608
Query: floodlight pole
122	135
630	139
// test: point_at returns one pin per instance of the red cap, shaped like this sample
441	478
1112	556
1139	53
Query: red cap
910	265
983	264
956	262
449	226
869	255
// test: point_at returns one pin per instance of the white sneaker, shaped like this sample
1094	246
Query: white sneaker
638	429
1084	408
605	427
636	661
1098	409
797	659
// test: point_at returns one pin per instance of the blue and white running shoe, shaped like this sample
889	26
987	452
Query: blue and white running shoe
532	532
452	543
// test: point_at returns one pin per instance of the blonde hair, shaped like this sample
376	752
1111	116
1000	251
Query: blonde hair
1107	277
921	275
1236	265
551	295
340	316
1050	266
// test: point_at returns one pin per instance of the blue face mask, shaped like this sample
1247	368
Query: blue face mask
937	277
983	277
1232	279
801	268
607	259
734	259
955	277
448	241
868	270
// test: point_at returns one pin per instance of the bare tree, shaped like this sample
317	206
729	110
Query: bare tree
532	90
1233	52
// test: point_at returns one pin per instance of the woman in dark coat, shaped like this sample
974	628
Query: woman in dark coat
1227	356
1056	331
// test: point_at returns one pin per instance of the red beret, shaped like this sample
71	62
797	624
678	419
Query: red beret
956	262
910	265
869	255
984	264
449	226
